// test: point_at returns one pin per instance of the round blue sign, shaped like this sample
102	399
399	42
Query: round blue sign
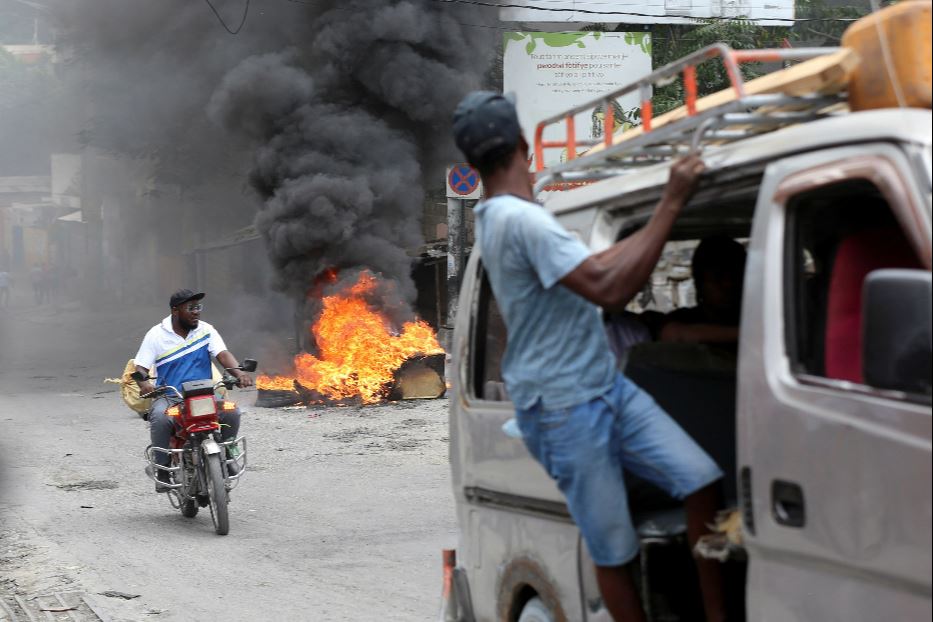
463	179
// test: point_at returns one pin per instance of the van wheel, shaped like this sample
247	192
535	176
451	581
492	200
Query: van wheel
535	611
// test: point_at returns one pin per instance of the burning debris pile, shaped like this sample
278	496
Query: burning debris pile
361	357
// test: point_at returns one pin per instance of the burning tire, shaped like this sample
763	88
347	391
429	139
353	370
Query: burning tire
275	398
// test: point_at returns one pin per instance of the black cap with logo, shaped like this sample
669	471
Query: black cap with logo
184	295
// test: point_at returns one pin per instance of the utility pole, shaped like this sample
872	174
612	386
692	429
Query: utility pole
463	185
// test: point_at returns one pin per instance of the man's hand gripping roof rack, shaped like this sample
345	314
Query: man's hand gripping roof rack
739	117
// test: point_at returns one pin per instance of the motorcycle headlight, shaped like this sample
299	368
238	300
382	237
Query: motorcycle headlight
201	407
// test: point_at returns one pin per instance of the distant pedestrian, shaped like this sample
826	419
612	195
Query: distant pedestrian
36	277
5	283
53	281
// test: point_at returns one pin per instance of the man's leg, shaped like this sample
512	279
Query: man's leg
161	429
619	593
229	428
229	423
701	508
655	448
574	446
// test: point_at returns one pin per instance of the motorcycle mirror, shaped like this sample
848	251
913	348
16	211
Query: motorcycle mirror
248	365
139	376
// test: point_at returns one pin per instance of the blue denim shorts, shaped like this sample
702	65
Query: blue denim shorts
585	447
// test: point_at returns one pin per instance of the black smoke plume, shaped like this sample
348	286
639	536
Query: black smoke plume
349	124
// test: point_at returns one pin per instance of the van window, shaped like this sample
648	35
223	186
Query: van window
836	235
489	339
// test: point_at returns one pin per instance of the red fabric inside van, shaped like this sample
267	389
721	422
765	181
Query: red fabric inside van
856	256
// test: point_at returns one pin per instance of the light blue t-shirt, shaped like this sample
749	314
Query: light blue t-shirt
557	348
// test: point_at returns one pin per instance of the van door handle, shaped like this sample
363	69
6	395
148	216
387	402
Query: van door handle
787	505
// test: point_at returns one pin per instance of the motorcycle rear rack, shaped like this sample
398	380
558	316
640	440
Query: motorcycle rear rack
240	460
150	457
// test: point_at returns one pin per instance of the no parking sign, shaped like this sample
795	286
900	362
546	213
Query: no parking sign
463	182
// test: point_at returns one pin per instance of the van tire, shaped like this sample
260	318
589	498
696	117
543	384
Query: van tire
536	611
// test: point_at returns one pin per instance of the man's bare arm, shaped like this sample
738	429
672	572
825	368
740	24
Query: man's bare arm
145	386
614	276
229	361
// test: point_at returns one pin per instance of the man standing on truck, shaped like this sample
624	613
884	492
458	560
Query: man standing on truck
580	418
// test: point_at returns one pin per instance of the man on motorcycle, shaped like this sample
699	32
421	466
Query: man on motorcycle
179	349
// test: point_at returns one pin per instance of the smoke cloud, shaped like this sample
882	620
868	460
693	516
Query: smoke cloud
320	123
347	127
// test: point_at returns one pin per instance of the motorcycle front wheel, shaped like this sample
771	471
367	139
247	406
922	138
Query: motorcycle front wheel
218	495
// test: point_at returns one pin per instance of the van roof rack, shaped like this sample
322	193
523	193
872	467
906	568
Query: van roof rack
723	117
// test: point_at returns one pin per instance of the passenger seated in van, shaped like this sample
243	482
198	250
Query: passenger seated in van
718	267
579	417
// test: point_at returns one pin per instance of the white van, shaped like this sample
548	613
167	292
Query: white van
821	419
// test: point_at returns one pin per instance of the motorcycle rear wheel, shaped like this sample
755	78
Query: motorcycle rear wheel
218	494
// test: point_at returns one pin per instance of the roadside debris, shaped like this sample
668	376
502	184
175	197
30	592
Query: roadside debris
116	594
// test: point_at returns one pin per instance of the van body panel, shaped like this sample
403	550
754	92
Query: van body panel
861	461
820	596
509	541
487	457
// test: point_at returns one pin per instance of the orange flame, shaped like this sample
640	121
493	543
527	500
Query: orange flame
358	352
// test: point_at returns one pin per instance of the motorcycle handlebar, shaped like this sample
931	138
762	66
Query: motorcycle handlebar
228	381
162	389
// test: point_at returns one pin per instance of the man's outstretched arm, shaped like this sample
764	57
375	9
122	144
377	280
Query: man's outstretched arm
229	361
614	276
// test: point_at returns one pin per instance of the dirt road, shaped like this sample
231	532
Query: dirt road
341	515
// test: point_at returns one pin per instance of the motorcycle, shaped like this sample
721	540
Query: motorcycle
203	467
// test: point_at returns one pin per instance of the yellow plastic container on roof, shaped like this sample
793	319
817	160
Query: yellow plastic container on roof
894	46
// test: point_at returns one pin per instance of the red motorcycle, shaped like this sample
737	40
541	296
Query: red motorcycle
204	468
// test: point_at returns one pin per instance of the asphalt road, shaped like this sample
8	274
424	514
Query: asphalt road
341	515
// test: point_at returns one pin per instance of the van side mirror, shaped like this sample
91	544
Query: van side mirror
249	365
897	338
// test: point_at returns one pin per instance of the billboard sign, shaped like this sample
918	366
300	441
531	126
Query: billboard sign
771	13
552	72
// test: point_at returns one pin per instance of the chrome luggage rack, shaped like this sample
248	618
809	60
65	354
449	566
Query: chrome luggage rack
240	452
742	117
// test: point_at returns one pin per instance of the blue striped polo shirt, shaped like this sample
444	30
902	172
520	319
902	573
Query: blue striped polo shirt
175	359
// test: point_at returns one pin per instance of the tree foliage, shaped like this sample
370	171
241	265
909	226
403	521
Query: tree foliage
824	26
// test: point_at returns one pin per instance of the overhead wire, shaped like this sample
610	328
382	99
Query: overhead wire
224	24
530	7
487	4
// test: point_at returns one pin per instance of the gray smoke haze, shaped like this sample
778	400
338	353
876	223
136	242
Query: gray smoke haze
319	122
348	125
333	113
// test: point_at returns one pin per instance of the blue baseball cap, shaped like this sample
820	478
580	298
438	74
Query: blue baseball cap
485	121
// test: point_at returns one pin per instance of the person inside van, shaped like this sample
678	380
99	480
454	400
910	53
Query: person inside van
718	267
581	419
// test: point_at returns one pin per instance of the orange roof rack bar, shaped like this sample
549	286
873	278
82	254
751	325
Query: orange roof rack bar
686	68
